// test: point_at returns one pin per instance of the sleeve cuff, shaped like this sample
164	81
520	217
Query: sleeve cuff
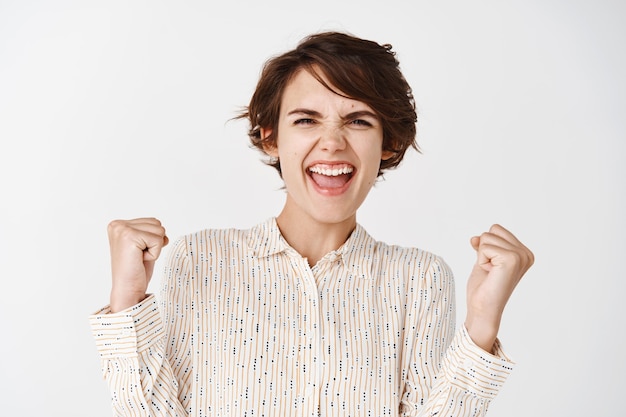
128	332
475	370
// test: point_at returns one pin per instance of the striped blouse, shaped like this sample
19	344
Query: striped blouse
245	327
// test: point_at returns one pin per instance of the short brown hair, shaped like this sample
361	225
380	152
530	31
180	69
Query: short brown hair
362	70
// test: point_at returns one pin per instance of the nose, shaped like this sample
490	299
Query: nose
332	139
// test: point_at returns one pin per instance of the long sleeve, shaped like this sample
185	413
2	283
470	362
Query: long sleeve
244	326
136	351
448	374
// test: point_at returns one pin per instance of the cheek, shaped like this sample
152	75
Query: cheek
290	161
291	157
371	156
294	151
369	147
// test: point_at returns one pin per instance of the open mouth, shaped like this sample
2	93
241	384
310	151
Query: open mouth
331	175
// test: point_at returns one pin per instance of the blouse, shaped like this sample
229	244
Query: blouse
243	326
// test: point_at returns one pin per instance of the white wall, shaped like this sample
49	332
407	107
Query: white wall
118	109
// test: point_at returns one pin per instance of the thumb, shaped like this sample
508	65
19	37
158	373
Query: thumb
149	267
482	260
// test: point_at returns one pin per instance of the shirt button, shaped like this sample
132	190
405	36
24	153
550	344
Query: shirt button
309	391
468	363
125	332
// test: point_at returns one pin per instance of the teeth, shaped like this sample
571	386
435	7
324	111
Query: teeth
331	172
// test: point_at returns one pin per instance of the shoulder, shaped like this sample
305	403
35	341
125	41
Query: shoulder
213	240
425	277
260	239
412	263
401	256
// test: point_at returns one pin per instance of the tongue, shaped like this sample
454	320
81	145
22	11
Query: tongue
325	181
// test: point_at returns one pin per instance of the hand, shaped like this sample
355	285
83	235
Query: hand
135	246
501	262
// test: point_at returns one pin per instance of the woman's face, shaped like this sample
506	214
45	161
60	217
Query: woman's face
329	148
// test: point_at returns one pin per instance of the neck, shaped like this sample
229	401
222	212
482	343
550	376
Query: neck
312	238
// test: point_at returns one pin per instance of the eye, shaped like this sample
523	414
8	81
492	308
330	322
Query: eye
360	122
304	121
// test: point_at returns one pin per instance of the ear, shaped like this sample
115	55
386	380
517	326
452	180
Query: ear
268	148
387	155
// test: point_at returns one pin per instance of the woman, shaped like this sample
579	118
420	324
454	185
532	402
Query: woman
305	314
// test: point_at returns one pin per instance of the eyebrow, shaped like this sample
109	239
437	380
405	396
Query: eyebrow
349	116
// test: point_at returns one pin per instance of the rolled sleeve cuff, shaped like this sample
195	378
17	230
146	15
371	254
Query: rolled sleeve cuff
128	332
475	370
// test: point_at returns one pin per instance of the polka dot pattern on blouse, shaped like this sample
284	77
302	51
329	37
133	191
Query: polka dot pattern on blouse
244	326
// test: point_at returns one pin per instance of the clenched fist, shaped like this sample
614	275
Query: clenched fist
135	246
501	261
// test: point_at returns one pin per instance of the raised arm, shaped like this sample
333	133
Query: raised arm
130	333
459	376
135	246
501	261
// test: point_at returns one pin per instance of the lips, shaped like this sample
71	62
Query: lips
331	176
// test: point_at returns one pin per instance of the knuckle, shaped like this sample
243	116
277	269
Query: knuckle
120	229
115	225
514	257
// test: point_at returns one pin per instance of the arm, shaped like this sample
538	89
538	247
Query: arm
448	374
463	380
133	343
501	261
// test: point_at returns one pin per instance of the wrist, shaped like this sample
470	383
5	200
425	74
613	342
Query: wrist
119	302
482	332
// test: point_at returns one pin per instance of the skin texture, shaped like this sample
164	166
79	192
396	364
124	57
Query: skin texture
320	129
501	261
135	246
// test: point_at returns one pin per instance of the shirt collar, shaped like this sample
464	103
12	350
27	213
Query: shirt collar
357	253
265	239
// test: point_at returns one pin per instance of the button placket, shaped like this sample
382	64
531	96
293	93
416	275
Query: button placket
310	320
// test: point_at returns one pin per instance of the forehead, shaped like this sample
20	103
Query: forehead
305	89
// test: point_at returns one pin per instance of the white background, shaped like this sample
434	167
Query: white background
119	109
